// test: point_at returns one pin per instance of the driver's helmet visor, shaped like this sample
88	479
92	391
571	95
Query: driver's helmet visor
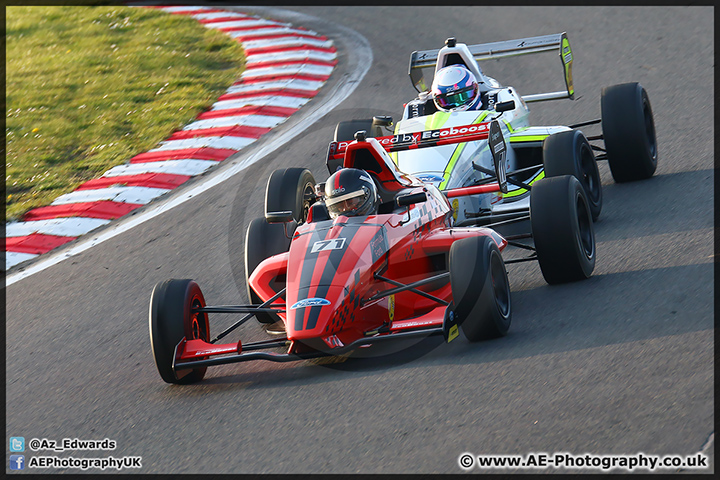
456	99
345	204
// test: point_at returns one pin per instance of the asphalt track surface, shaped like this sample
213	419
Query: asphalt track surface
619	364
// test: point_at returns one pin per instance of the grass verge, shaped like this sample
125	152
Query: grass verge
88	88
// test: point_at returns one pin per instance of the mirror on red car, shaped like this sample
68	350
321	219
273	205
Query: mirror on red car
279	217
411	199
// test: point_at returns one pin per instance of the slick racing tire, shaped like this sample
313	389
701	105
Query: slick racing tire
290	190
480	288
171	319
562	229
263	240
569	153
345	132
629	131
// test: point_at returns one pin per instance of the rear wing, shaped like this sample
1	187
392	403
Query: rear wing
485	51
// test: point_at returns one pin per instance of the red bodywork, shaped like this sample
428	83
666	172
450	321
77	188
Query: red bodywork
334	263
330	269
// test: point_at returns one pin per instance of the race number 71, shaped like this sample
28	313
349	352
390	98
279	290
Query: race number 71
322	245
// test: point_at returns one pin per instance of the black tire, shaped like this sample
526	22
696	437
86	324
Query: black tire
480	288
562	229
629	131
570	153
171	319
263	240
345	131
290	189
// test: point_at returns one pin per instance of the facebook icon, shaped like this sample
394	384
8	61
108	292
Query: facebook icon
17	462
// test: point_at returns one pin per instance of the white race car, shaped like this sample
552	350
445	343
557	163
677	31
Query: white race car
498	129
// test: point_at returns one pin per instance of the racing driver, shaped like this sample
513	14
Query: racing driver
351	192
455	88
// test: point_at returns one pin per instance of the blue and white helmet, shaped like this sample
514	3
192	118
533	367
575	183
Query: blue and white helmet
454	88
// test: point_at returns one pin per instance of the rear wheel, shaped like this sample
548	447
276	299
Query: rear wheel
629	132
480	288
172	318
263	240
345	131
290	189
569	153
562	229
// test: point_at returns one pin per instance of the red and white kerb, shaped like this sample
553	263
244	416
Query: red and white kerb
286	67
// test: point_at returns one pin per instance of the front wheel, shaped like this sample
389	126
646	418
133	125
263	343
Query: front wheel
562	229
290	190
172	319
263	240
480	288
345	131
629	132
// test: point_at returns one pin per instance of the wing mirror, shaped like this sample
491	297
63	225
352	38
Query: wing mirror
379	122
411	199
382	120
286	218
505	106
279	217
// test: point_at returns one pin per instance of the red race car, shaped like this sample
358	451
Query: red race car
369	256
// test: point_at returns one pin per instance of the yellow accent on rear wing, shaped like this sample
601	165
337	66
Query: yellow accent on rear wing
485	51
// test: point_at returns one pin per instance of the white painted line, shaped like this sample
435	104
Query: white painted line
269	31
346	85
13	258
188	8
184	9
232	143
291	55
188	166
707	450
287	70
211	15
261	101
243	23
287	42
290	83
268	121
117	194
64	227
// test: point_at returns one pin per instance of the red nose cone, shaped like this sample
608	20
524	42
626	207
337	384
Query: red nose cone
316	311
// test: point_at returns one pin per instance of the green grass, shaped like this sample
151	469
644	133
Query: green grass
88	88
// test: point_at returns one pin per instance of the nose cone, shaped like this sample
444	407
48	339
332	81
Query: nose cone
312	313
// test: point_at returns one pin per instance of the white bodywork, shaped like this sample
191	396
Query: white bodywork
451	166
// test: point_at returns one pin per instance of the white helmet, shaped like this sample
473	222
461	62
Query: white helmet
454	88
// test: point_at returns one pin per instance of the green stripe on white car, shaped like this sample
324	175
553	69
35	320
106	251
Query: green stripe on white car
458	151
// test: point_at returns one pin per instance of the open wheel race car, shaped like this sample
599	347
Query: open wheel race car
533	152
337	282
